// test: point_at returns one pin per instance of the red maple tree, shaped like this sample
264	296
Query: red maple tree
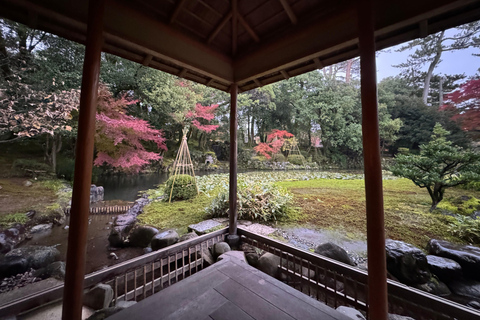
275	141
119	136
465	104
200	117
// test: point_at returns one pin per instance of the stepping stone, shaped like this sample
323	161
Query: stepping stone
260	229
204	227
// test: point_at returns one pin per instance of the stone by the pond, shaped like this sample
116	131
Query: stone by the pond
445	269
332	251
13	265
252	258
474	304
41	228
164	239
245	222
207	257
260	229
115	238
27	183
204	226
467	256
406	262
398	317
239	255
147	250
351	313
466	288
37	256
269	263
125	219
99	297
188	236
141	236
96	193
220	248
434	286
53	270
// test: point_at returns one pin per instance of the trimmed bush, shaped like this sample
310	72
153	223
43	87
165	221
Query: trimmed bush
403	150
296	159
278	157
184	187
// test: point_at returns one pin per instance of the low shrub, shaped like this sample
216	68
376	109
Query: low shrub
255	201
260	158
403	151
66	168
278	157
184	187
296	159
466	228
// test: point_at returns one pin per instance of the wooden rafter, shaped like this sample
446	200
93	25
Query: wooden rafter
177	10
423	26
146	61
234	26
219	27
257	82
289	11
182	73
247	27
318	63
285	74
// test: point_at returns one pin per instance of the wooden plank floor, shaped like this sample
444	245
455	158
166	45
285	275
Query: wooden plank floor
229	290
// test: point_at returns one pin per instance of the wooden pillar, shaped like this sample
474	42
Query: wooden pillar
232	198
77	235
377	267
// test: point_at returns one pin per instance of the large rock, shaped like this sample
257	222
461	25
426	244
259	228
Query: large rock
120	230
332	251
96	193
238	255
37	256
398	317
41	228
406	262
220	248
116	238
5	243
164	239
188	236
207	257
141	236
445	269
204	226
434	286
137	208
269	263
13	265
99	297
466	288
53	270
467	256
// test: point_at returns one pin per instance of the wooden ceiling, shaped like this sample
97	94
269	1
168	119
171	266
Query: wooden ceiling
252	43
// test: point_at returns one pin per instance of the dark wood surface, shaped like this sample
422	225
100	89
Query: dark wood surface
230	290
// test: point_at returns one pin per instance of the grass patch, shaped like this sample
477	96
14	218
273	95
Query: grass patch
340	204
177	214
10	219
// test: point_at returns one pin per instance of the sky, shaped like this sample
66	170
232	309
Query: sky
453	62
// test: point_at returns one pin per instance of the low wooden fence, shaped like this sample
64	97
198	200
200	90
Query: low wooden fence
336	284
135	279
104	210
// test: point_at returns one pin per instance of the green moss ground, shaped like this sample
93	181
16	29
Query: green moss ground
340	204
177	214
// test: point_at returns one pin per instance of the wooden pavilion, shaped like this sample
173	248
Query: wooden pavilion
236	46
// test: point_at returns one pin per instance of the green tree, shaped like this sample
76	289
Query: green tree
440	165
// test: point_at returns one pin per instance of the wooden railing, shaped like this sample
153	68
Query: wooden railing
134	279
336	283
104	210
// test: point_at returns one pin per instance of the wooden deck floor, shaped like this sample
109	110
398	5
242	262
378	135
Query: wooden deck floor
229	290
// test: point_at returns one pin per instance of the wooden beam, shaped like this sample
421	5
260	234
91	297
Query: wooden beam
234	26
219	27
182	73
77	234
232	196
248	28
377	265
146	61
318	63
289	11
285	74
209	82
423	28
257	82
178	9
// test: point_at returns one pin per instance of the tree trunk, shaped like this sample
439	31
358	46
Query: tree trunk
252	131
348	70
440	92
436	194
6	72
433	64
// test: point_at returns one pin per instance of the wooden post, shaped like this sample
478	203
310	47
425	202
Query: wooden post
77	235
377	267
233	160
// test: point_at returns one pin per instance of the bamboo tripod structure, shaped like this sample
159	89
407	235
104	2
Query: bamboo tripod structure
183	163
294	150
